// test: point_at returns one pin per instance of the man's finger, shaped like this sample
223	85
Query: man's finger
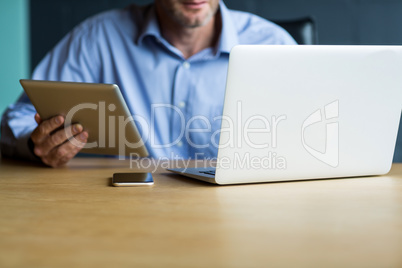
38	119
60	155
56	139
45	128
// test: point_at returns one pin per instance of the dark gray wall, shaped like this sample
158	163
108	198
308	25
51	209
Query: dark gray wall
338	21
351	22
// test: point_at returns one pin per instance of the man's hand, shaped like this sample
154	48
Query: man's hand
52	143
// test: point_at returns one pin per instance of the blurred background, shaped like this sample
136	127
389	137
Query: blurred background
30	28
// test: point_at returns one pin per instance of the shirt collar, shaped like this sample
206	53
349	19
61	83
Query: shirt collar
149	26
228	38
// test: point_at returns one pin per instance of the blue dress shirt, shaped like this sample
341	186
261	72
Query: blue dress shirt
166	91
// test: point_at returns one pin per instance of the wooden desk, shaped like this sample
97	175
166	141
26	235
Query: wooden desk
72	217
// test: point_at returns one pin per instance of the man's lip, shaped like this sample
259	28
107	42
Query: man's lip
194	4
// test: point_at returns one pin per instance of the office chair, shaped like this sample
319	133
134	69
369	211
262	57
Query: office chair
303	30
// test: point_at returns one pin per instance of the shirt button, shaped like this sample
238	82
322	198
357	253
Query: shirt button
186	65
182	104
180	144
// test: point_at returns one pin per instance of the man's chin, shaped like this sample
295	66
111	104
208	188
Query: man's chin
195	22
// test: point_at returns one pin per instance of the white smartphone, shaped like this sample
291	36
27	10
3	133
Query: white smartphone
132	179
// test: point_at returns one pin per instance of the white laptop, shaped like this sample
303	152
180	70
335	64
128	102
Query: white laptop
307	112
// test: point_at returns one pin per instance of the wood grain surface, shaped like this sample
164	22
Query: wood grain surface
73	217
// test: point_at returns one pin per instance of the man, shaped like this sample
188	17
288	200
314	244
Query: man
170	60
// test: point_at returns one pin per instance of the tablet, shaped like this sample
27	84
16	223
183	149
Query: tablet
99	108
